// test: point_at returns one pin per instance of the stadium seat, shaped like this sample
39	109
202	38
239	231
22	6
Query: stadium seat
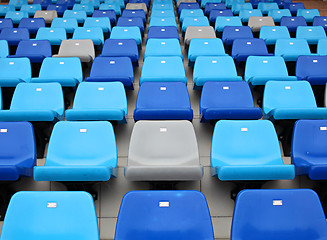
163	151
121	48
93	33
282	3
214	69
137	6
6	23
163	47
48	15
89	9
293	7
169	208
222	22
320	21
243	48
194	21
292	23
58	209
219	13
246	14
54	35
14	71
280	214
163	101
266	7
291	49
102	22
59	8
291	100
205	47
259	70
16	16
131	22
194	13
32	24
311	69
127	33
271	34
277	14
185	5
80	16
66	71
134	14
82	151
237	7
5	8
230	33
99	101
111	6
198	32
69	24
163	69
322	47
83	49
312	34
162	22
4	49
255	3
227	100
162	32
31	9
257	156
255	23
106	13
165	13
308	14
214	6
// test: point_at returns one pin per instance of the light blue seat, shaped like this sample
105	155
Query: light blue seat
277	14
245	14
16	16
4	49
93	33
162	22
80	151
266	7
111	6
127	33
308	14
163	69
190	13
312	34
271	34
89	9
214	69
14	71
259	70
237	7
66	71
194	22
278	214
58	209
69	24
101	101
31	9
221	22
5	8
54	35
205	47
291	100
256	157
103	22
163	47
6	23
80	16
162	13
291	49
169	208
17	3
35	102
322	47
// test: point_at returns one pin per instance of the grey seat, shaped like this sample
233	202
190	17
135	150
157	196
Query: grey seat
163	151
185	1
83	49
198	32
255	23
47	15
136	6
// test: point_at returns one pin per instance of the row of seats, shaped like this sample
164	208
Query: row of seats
275	213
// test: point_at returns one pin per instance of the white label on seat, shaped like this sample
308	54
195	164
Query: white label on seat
163	129
61	63
248	43
38	89
32	21
162	30
250	11
162	20
274	30
15	31
34	44
103	12
323	128
227	19
163	204
214	61
65	20
287	87
51	30
133	12
17	13
100	88
163	61
200	30
51	205
88	30
265	61
226	88
260	19
237	30
125	30
310	30
46	13
244	129
130	20
206	43
120	43
220	11
163	88
83	130
11	63
292	19
77	44
162	5
0	21
163	43
195	19
307	11
3	130
278	202
192	12
75	12
315	61
112	62
278	11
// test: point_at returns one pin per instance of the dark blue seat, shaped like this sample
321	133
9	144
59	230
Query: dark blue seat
44	3
213	6
32	24
293	7
243	48
320	21
292	22
312	69
137	13
219	13
163	32
163	101
169	209
230	33
6	23
111	14
14	35
281	3
68	3
60	8
186	5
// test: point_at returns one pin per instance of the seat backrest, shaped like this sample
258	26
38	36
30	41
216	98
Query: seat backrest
270	34
292	46
27	48
6	23
311	66
16	68
31	23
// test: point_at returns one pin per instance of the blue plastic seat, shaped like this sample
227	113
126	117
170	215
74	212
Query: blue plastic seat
59	8
169	208
94	3
99	101
131	22
163	47
257	157
5	8
66	71
311	69
35	50
259	70
227	100
102	22
127	33
291	49
69	24
292	23
243	48
4	49
237	7
291	100
58	209
278	214
68	3
31	9
54	35
308	14
322	47
137	13
205	47
111	6
320	21
312	34
16	16
35	102
163	69
32	24
89	9
6	23
44	3
230	33
245	14
219	13
266	7
162	32
293	7
106	13
213	6
195	22
80	16
222	22
111	69
14	71
93	33
18	154
163	101
162	22
271	34
309	148
121	48
214	69
277	14
17	3
194	13
80	151
186	5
